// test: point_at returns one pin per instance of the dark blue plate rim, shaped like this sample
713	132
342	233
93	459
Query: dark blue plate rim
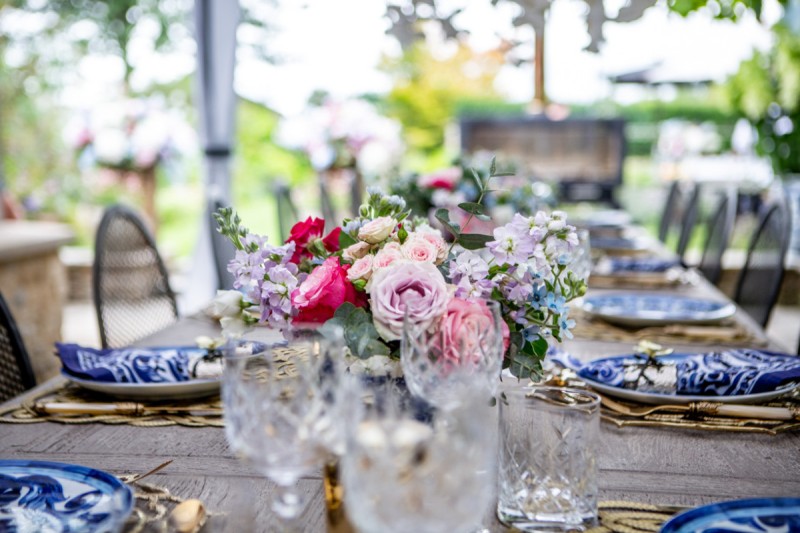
674	524
78	473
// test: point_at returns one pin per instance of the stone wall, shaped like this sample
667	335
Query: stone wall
35	289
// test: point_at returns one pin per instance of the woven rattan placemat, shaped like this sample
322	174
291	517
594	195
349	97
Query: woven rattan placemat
91	408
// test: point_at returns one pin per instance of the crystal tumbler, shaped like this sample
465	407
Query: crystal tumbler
547	462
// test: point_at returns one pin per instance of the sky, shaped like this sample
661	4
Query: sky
337	46
336	49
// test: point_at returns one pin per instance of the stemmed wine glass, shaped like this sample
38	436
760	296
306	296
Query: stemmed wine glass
458	356
279	410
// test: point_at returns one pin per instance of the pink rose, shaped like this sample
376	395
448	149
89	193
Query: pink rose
444	179
356	251
388	255
361	269
468	330
419	249
323	291
418	289
434	237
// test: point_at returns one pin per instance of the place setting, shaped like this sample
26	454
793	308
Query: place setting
664	318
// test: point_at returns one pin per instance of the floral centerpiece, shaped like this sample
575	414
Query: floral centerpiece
383	265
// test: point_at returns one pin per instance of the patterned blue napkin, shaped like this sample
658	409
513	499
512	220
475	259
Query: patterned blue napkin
641	264
726	373
129	365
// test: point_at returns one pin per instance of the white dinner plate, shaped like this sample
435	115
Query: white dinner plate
640	310
180	390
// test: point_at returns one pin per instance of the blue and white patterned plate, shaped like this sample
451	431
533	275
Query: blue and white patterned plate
759	515
49	497
733	376
656	309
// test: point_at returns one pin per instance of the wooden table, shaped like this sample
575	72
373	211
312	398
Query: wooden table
656	465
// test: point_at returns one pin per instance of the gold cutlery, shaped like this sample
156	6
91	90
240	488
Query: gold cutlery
120	408
708	408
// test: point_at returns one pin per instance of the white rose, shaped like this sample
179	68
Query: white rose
377	230
227	304
361	269
355	251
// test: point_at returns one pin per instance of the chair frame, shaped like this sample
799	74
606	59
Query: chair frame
673	199
218	242
689	222
110	214
726	215
779	207
27	377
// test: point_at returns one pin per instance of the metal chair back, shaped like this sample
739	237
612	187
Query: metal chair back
688	222
718	234
669	213
287	212
132	294
222	248
16	375
760	280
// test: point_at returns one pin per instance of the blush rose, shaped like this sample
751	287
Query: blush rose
418	289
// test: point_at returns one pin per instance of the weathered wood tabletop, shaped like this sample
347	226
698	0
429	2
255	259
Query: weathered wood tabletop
656	465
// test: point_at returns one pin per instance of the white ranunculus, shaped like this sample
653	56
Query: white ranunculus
233	327
227	304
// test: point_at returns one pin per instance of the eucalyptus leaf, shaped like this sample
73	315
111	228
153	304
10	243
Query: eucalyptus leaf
474	241
443	216
473	208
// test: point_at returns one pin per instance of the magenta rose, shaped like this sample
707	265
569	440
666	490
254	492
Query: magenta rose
323	291
305	232
467	329
413	287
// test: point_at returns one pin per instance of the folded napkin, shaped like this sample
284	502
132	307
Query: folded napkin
732	372
129	365
641	264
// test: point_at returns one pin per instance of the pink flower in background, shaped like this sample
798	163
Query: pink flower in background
418	289
323	291
444	179
356	251
468	330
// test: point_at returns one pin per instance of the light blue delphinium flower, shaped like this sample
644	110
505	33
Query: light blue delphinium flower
555	303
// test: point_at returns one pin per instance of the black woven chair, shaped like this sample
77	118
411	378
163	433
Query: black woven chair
287	212
669	213
687	223
132	295
718	234
762	274
222	248
16	375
